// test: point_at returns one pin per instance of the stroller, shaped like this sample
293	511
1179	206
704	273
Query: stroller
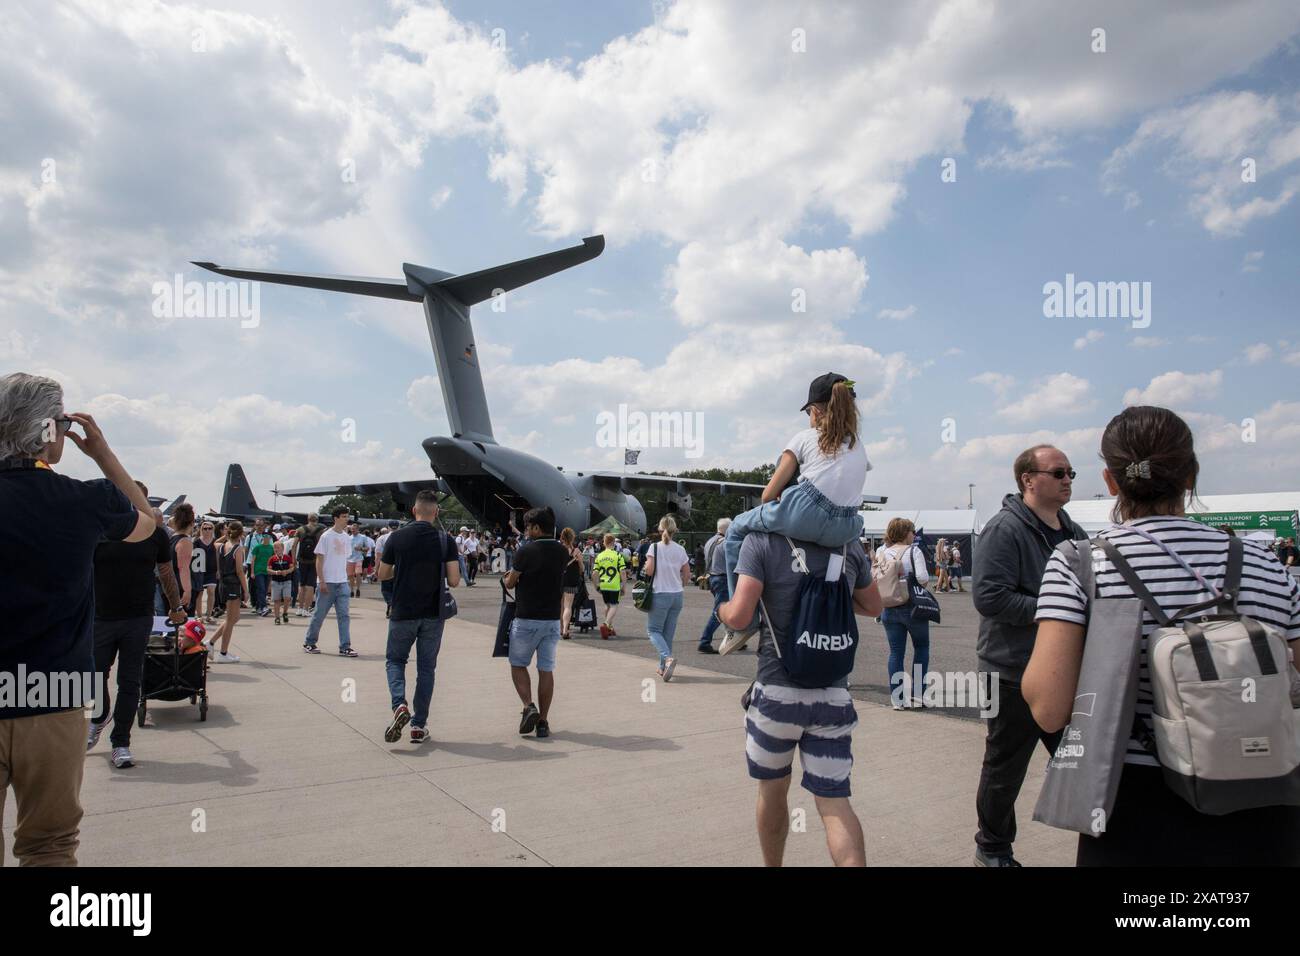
170	673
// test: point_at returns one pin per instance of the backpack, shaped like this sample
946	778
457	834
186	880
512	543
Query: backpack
887	569
821	639
1225	730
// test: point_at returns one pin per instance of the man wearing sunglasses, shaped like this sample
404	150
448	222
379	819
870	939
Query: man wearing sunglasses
1007	570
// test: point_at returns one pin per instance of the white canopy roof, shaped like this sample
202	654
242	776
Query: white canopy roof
1093	514
956	521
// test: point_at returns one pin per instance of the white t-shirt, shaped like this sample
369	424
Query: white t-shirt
335	546
840	478
379	545
669	559
910	557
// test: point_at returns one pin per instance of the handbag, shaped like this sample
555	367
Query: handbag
643	590
449	607
504	620
924	605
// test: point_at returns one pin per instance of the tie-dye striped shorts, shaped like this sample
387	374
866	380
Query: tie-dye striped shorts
819	722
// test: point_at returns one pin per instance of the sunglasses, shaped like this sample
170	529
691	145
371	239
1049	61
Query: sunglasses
1057	473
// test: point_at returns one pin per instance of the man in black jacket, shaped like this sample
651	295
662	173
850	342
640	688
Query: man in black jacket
1008	568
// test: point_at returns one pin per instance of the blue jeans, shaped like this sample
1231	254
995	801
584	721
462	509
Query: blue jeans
426	634
260	586
661	622
338	596
898	624
718	585
802	513
386	589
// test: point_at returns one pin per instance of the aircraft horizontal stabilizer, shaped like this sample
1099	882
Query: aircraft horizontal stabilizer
479	286
383	288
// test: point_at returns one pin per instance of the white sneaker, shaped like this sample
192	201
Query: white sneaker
734	640
225	658
122	758
92	737
669	665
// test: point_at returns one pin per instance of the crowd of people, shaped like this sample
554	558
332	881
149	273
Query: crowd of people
792	572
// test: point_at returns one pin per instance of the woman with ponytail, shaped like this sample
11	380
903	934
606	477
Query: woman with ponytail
669	567
823	508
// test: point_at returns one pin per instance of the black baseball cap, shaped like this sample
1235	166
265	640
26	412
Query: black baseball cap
820	389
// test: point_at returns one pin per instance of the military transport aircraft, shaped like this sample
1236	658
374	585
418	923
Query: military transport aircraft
237	501
494	483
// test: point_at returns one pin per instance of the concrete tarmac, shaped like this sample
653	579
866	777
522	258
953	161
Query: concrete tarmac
291	766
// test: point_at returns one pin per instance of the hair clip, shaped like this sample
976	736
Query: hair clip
1139	469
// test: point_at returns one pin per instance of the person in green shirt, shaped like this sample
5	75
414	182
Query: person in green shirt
608	574
261	552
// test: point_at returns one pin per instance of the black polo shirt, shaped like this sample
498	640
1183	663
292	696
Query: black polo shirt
51	526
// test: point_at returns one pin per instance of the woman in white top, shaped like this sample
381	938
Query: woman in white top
941	564
669	567
900	535
1151	467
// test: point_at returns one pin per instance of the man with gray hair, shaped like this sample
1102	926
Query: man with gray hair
716	567
47	545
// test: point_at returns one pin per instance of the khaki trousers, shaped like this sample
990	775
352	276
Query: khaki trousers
43	757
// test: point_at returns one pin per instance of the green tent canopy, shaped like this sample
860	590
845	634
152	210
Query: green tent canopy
610	525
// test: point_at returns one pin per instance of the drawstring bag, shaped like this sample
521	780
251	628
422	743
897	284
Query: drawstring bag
643	590
822	639
924	605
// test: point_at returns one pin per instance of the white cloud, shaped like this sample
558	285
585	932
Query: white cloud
1060	394
1250	262
1147	342
440	197
1208	141
897	314
1259	352
998	381
1176	389
1093	335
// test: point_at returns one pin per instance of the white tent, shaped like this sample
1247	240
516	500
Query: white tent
935	523
1093	514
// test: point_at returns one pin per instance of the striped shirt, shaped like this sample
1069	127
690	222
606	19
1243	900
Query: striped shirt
1268	593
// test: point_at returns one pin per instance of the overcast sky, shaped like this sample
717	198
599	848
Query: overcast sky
914	173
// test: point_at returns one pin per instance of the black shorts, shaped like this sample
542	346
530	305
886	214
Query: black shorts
611	597
306	575
230	588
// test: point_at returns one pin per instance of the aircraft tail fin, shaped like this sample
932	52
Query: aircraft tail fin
238	498
171	508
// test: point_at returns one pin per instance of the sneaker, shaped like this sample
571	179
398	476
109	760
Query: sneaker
734	640
92	737
669	664
401	717
225	658
347	651
419	735
277	620
122	758
989	859
528	720
604	632
311	648
286	617
543	728
708	649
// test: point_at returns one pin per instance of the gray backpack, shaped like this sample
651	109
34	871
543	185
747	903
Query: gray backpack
1226	731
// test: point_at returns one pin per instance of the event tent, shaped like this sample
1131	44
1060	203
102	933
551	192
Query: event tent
959	525
1251	514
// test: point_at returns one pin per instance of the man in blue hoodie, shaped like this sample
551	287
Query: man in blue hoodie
1008	568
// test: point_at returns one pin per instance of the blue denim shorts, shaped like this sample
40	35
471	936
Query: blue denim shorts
528	637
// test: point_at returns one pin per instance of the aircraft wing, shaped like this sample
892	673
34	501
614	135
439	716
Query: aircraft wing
403	492
686	486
